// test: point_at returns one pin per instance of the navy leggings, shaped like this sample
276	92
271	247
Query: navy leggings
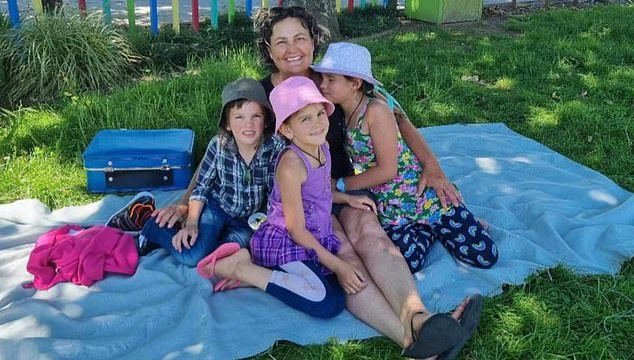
458	231
302	286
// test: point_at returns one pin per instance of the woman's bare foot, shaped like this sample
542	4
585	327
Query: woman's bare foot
420	318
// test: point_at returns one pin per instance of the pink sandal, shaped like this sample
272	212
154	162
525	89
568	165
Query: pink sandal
221	252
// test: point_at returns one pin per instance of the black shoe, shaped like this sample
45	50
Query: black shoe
133	216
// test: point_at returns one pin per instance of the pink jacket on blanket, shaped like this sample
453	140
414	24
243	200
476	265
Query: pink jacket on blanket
82	256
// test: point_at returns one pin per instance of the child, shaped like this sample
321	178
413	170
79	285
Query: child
293	252
384	164
234	181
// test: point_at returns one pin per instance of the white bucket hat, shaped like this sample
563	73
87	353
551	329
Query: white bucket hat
343	58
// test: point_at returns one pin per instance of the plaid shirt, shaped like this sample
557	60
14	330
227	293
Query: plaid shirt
239	189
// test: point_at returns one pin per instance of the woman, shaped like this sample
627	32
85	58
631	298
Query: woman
288	40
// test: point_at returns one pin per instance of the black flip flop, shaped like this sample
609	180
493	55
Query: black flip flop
438	334
469	321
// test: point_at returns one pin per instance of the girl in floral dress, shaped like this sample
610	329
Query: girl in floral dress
387	167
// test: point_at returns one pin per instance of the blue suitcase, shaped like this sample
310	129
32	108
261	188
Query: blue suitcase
133	160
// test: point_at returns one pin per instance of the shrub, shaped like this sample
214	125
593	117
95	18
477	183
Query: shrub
58	53
369	20
168	50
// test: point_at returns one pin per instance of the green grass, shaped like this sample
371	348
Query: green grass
564	78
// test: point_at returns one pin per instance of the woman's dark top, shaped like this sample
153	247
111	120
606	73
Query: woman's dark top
336	136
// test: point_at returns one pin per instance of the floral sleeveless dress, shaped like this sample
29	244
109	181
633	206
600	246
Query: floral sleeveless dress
397	202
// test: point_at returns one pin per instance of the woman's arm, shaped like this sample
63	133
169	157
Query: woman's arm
432	175
382	128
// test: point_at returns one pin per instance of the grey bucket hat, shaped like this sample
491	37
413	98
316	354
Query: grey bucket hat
245	88
248	89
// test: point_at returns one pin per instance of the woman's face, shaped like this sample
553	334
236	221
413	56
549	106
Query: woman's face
291	47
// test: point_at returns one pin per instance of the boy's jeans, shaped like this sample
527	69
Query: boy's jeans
215	227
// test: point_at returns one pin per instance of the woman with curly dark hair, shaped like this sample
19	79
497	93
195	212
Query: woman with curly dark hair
288	40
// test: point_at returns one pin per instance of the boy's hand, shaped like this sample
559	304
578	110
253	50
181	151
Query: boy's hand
362	202
170	215
351	279
185	237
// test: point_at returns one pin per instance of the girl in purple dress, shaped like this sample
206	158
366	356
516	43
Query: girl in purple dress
293	253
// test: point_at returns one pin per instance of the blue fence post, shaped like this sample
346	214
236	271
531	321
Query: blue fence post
247	7
154	27
214	14
107	14
14	13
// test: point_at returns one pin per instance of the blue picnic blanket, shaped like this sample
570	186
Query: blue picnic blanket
543	209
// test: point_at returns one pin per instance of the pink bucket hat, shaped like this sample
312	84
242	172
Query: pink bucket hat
348	59
292	95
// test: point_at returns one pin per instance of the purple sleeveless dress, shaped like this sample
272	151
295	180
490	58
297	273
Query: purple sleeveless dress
272	245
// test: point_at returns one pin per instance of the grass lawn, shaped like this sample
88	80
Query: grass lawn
564	78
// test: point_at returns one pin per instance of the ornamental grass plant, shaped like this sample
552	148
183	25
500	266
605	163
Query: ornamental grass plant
57	53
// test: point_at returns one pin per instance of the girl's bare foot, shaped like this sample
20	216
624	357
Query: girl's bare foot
225	267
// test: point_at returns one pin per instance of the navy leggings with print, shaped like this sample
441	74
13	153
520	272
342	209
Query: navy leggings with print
458	231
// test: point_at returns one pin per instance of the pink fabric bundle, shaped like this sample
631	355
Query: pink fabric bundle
81	256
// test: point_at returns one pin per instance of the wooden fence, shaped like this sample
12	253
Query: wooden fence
14	12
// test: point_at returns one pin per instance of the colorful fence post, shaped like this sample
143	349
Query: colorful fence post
248	4
154	28
37	6
350	6
232	11
14	13
338	6
374	2
176	17
195	17
265	3
131	15
385	3
214	14
107	15
362	3
81	4
280	3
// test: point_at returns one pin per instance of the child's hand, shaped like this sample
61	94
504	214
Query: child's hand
351	279
170	215
435	178
362	202
185	237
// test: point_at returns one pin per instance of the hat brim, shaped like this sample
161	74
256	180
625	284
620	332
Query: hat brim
327	70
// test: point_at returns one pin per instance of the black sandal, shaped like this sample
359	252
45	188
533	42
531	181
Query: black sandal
469	322
438	334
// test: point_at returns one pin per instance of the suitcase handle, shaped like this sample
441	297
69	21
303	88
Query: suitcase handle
120	179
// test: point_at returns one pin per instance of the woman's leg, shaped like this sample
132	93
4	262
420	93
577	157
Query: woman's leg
466	238
369	304
387	269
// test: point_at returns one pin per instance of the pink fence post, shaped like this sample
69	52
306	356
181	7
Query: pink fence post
81	4
350	6
195	22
